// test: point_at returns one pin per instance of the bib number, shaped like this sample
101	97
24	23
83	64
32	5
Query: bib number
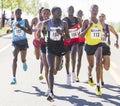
73	33
104	39
95	33
55	36
19	32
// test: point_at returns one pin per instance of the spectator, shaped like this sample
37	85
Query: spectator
3	19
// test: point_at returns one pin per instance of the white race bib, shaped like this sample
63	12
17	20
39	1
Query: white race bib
19	32
104	39
73	33
54	35
95	33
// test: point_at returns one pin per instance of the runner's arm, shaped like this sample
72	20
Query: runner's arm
86	25
66	32
114	32
28	28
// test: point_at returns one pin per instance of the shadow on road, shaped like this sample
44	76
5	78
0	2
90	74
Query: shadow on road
110	97
38	91
73	99
77	101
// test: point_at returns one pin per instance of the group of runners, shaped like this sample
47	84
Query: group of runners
56	38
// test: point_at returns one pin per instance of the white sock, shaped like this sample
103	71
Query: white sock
98	84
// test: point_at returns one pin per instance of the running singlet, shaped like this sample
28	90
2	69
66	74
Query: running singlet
35	27
18	34
94	34
54	42
36	41
106	35
73	31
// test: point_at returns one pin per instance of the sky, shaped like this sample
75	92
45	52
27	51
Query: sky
109	7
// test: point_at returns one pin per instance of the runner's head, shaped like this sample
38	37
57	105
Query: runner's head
18	13
46	13
56	12
40	13
70	10
94	10
79	15
102	17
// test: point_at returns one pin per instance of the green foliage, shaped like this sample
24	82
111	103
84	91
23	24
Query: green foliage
28	6
8	4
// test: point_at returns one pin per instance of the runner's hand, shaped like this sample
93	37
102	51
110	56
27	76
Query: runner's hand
116	45
59	31
42	39
67	38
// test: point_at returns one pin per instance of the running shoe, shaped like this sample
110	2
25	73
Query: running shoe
50	97
24	66
41	77
13	81
90	81
68	80
73	77
77	79
98	91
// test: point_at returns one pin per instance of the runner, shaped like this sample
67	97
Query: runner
36	41
106	44
72	45
57	30
81	42
19	41
93	32
46	14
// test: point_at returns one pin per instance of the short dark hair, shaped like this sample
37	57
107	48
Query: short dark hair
55	8
40	10
46	9
18	9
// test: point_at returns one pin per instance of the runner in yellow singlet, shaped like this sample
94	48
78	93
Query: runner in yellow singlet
92	30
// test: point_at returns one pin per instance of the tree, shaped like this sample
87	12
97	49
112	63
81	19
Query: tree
8	4
36	5
29	6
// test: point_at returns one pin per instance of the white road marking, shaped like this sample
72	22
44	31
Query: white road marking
4	48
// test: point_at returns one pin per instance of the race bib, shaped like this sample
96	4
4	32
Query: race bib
73	33
95	33
55	36
104	39
19	32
